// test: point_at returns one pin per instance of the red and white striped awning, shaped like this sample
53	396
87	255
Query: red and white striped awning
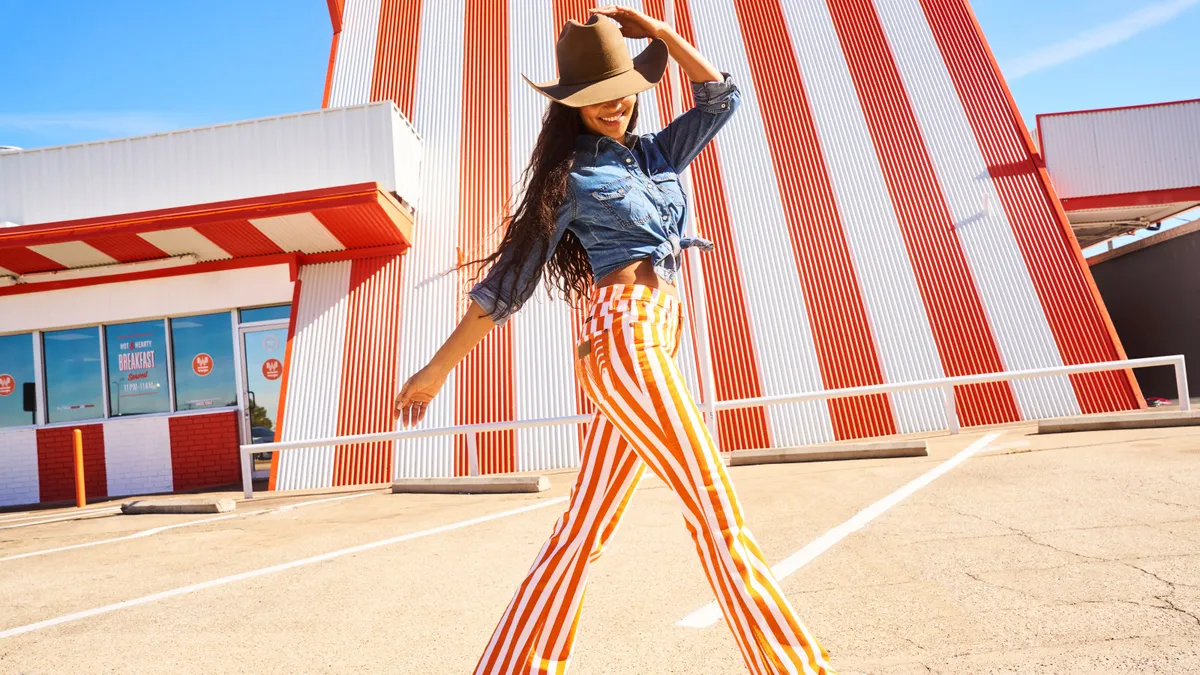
328	220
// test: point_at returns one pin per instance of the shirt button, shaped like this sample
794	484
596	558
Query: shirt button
666	217
724	105
628	160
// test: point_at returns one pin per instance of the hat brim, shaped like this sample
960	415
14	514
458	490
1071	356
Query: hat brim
648	69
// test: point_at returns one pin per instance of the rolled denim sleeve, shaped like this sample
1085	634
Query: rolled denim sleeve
683	139
506	287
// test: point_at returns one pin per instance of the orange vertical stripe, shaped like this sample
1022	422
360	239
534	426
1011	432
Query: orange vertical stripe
395	74
845	348
368	386
484	381
1073	308
283	382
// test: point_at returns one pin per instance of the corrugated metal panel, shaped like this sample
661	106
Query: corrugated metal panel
268	156
1119	151
184	241
542	334
395	66
735	363
127	247
776	302
74	254
1014	312
486	387
894	303
355	61
1049	254
430	285
368	384
315	375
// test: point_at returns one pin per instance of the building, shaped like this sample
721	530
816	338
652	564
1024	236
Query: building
1119	170
877	208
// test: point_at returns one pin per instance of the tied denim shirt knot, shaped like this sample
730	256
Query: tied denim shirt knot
624	202
668	256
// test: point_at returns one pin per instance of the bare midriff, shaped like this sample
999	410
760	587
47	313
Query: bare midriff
641	273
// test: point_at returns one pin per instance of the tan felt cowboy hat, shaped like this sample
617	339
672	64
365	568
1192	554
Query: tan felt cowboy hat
594	66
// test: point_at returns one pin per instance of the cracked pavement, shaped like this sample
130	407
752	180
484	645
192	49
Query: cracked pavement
1076	553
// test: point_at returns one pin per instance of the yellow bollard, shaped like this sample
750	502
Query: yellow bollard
80	493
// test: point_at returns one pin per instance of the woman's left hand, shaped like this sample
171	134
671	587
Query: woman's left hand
633	23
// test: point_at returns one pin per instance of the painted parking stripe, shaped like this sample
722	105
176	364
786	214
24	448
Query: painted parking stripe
74	516
711	613
184	590
164	528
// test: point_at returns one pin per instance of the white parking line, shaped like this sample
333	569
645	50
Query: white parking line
146	599
164	528
73	516
136	535
711	613
31	515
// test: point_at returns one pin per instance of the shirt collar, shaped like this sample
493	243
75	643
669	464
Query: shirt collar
592	142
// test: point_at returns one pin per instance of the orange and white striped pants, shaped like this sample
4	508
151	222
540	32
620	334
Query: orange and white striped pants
645	416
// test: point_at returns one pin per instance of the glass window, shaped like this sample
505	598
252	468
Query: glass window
265	313
137	368
16	370
204	366
74	381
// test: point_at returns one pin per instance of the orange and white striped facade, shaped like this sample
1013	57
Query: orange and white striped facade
877	207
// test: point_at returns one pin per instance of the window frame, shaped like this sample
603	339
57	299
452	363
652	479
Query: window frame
39	365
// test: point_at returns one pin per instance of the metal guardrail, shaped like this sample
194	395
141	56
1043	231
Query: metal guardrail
947	386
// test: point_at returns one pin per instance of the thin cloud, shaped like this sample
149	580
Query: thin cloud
1095	39
129	123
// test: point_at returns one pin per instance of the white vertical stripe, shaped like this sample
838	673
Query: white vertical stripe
137	456
1009	299
315	374
899	324
430	284
19	468
542	335
776	308
355	62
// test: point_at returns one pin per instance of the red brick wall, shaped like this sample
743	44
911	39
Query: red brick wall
204	451
56	463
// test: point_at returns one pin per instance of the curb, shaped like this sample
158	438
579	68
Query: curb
1145	420
829	453
472	485
144	506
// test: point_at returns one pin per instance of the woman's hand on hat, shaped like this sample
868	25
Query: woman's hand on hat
634	24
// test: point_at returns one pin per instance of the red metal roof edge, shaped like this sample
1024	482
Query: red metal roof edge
185	216
1133	199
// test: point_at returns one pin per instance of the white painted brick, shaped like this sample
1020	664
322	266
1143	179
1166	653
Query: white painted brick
18	467
137	455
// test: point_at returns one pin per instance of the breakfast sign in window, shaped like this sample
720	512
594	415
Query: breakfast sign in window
137	367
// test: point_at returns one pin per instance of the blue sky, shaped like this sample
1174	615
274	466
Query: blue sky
103	70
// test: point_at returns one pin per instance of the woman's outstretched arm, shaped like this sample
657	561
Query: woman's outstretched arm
419	390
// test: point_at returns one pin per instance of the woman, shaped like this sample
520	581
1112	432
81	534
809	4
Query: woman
601	203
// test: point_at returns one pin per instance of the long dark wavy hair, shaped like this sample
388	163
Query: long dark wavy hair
529	227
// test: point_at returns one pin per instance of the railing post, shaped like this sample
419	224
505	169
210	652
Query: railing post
472	454
951	409
1181	384
80	484
247	477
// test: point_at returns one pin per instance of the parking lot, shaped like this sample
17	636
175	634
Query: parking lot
1073	553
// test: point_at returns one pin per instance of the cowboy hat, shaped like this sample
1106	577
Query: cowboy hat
594	66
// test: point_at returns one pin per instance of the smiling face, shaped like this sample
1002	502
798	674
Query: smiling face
609	119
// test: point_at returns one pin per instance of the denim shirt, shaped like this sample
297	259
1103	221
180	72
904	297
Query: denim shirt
624	201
